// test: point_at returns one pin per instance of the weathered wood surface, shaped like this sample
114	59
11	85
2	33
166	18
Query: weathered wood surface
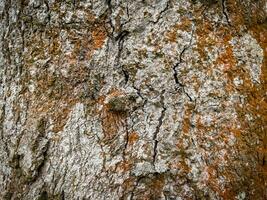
123	99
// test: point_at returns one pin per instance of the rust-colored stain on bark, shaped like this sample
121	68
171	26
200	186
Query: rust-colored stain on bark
56	93
124	166
184	25
133	137
99	35
186	119
227	59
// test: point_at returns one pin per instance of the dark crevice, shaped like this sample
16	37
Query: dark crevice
135	186
176	66
120	38
43	196
108	2
110	35
42	164
155	134
48	11
161	13
127	139
224	10
62	195
155	149
138	91
180	60
126	75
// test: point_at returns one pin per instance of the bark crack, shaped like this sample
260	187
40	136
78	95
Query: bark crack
126	75
135	186
120	38
127	139
161	13
174	68
155	134
225	13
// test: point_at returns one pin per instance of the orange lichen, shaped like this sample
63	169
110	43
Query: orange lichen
256	101
205	39
124	166
133	137
115	92
184	25
209	37
99	36
227	59
55	94
157	185
54	97
255	106
186	118
212	182
171	36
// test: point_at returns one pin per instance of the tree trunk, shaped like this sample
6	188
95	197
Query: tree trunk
122	99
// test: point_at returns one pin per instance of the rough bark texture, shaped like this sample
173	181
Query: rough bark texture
133	99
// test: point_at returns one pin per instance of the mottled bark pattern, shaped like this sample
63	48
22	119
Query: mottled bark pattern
124	99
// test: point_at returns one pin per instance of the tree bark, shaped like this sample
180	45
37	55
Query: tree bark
121	99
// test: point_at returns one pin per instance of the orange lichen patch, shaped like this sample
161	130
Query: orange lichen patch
209	37
253	118
133	137
186	125
212	181
227	59
128	186
250	126
90	17
152	187
115	92
204	33
181	166
171	36
99	36
157	185
236	131
59	89
55	96
215	185
246	13
187	118
101	100
123	166
202	127
82	48
185	25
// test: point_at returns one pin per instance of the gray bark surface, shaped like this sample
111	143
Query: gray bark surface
121	99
